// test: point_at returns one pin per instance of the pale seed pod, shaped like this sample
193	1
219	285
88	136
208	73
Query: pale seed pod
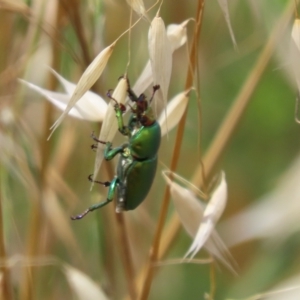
173	113
212	213
82	285
295	52
160	57
110	124
296	33
191	214
86	81
177	36
91	106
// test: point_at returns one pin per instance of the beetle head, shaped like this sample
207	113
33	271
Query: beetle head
142	109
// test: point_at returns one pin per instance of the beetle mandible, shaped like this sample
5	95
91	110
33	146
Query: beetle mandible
138	157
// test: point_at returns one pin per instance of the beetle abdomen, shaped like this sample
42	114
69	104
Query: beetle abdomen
145	143
138	180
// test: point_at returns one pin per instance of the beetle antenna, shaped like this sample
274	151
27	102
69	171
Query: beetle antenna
132	109
155	88
109	94
121	106
96	140
132	96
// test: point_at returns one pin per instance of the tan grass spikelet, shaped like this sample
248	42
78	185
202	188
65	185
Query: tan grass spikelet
86	81
191	211
188	207
82	285
296	33
212	213
60	224
177	36
224	6
160	57
110	124
89	107
295	51
174	112
138	6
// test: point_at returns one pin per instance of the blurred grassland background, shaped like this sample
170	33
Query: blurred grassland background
44	182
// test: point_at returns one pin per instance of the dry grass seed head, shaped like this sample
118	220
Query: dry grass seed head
110	125
160	57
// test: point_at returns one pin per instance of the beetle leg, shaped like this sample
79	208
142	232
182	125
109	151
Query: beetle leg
110	197
96	140
94	147
105	183
117	106
155	88
91	208
110	153
133	97
119	115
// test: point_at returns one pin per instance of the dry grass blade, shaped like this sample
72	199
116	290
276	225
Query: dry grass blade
83	286
277	220
110	124
174	112
88	78
59	222
286	293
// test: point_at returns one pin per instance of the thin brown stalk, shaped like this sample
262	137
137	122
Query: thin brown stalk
126	256
73	11
212	275
6	288
154	251
6	22
296	11
27	291
124	247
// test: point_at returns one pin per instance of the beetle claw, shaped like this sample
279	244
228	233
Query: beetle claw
94	147
105	183
80	216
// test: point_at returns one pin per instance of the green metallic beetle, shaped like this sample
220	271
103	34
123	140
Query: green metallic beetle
138	158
